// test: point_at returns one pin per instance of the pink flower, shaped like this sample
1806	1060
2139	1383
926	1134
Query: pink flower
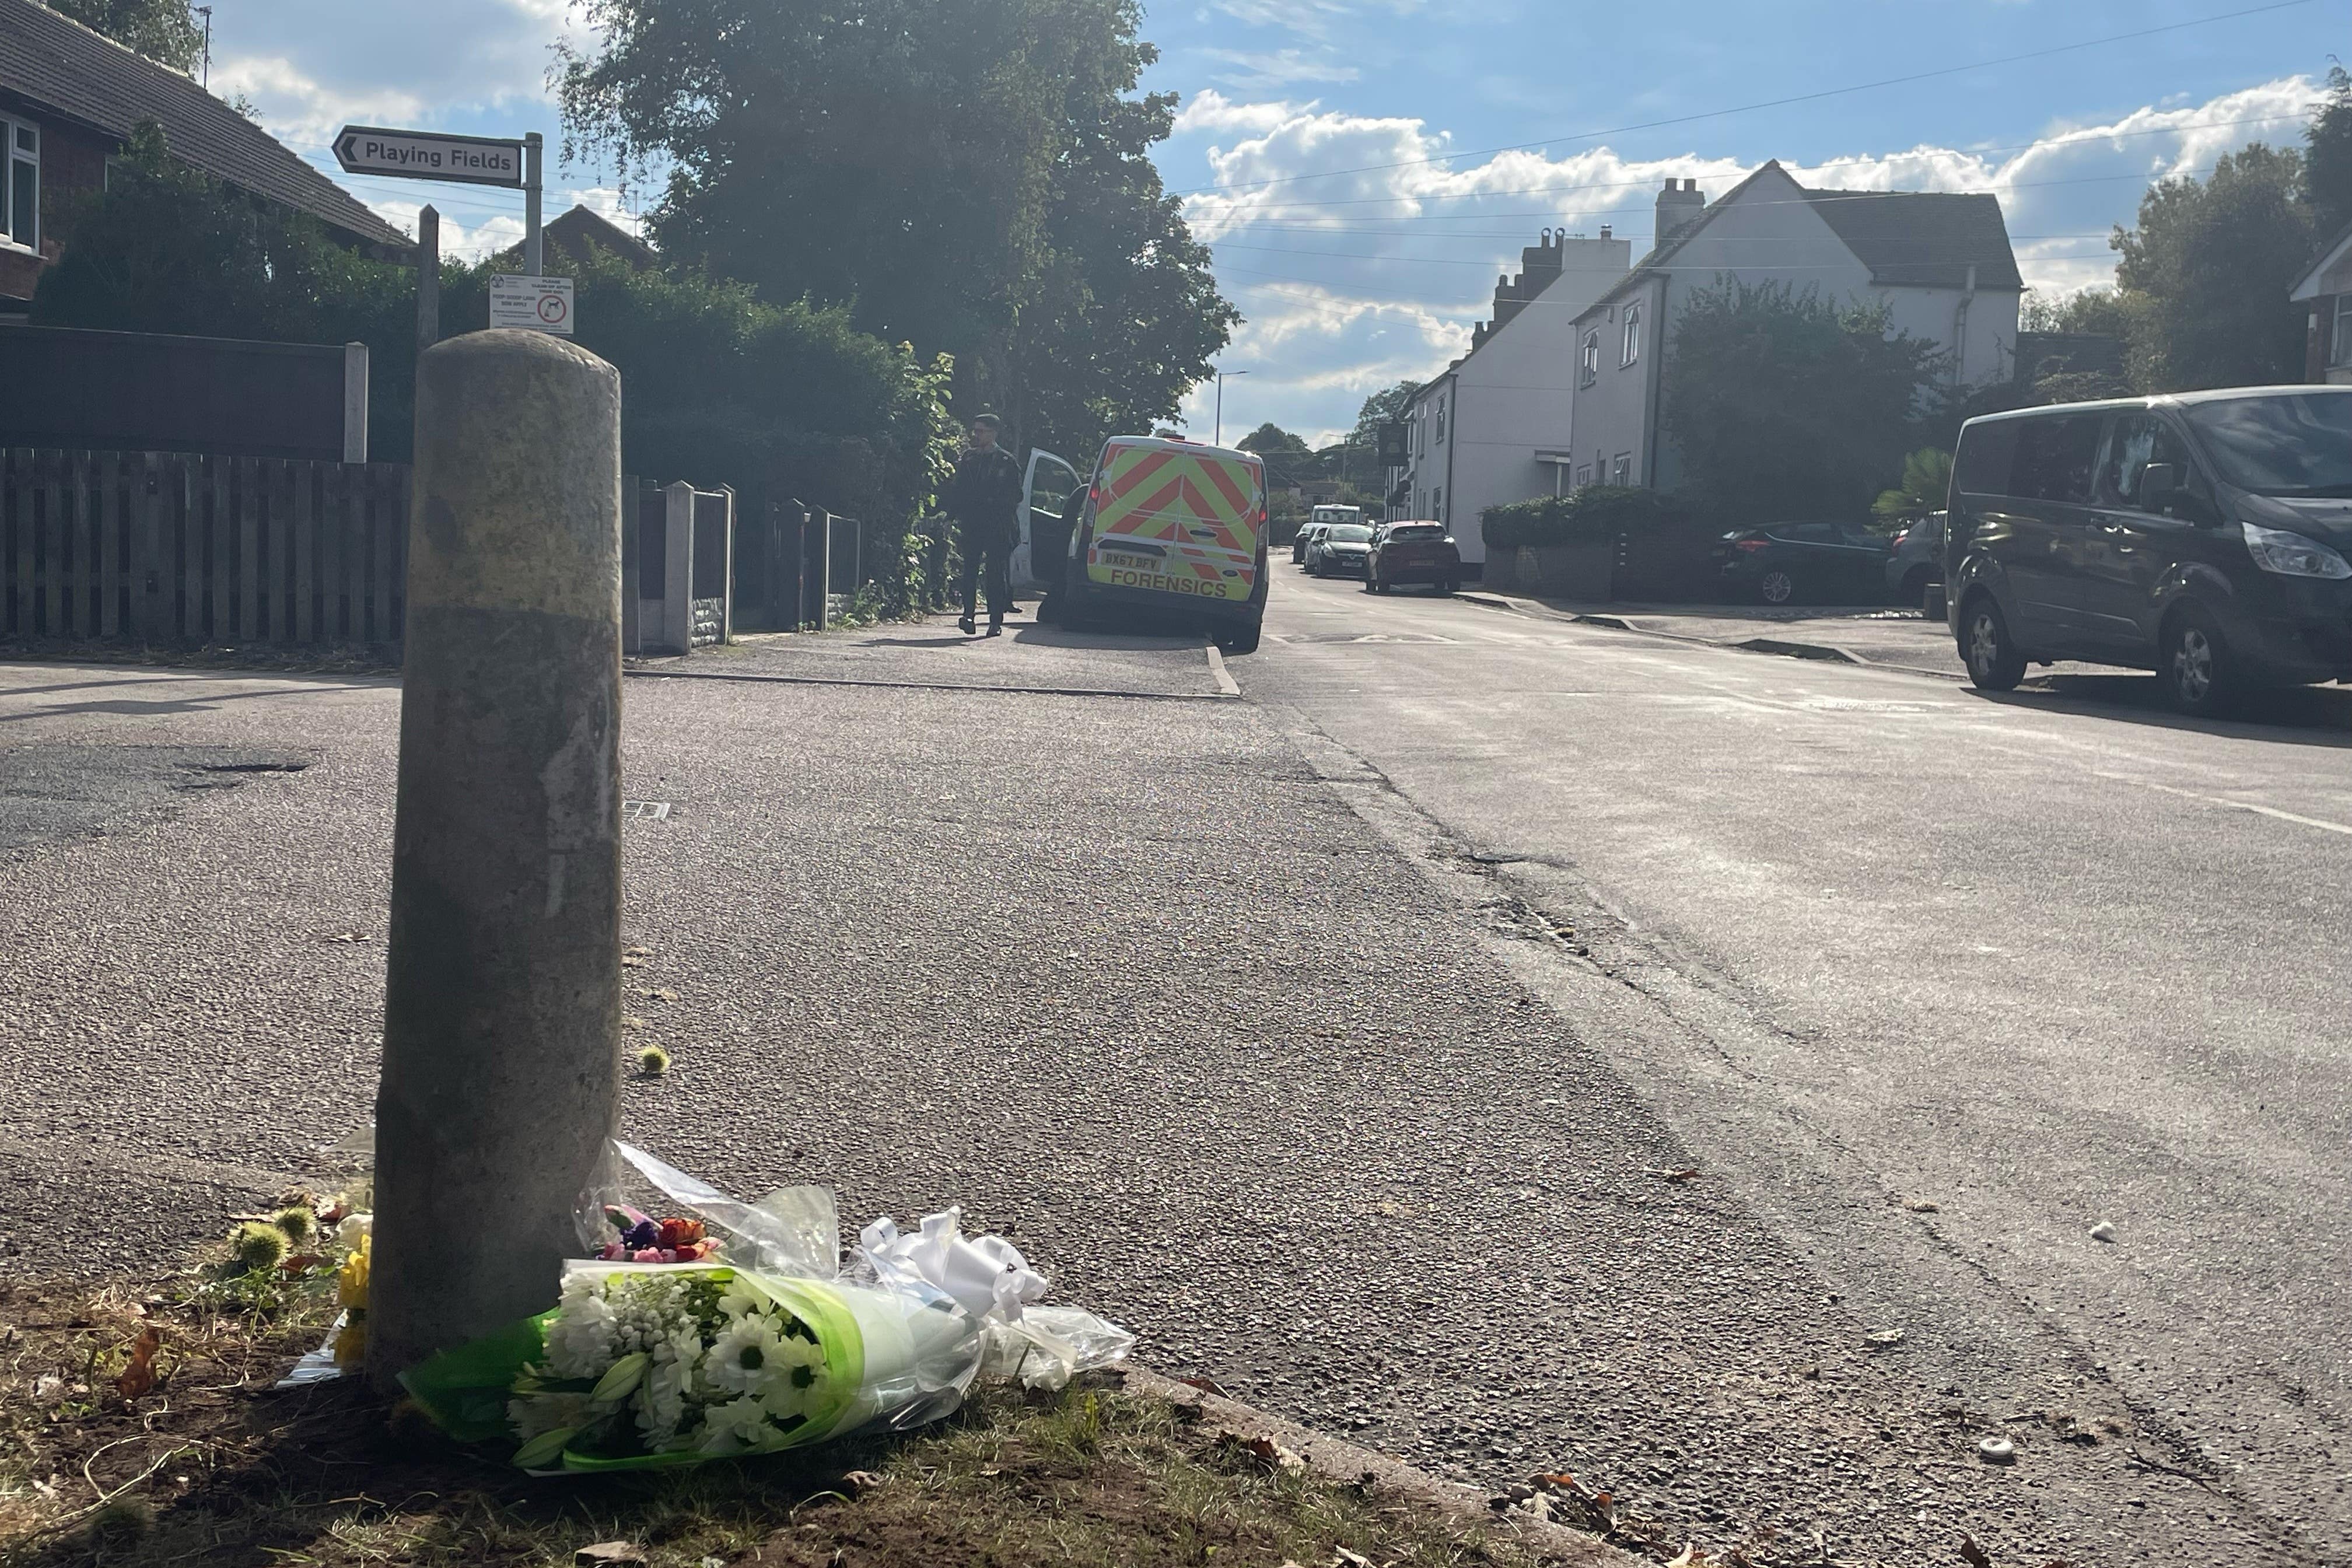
649	1255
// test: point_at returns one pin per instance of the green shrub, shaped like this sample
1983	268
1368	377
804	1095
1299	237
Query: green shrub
1595	512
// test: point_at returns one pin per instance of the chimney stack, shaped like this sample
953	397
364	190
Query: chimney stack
1679	206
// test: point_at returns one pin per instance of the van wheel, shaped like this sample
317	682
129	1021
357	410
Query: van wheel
1994	662
2200	676
1914	587
1447	587
1241	639
1777	585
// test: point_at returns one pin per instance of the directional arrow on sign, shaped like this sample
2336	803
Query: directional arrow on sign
429	155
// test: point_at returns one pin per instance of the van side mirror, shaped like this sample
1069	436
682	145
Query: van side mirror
2159	482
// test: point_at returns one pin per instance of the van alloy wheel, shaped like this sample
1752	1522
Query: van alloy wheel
1993	664
1777	585
2197	674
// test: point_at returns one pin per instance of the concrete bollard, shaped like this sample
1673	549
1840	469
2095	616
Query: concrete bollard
502	997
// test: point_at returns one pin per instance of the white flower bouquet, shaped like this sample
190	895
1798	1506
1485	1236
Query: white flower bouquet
643	1364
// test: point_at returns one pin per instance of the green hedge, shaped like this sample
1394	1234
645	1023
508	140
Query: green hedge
1595	512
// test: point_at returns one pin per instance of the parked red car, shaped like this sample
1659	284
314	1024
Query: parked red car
1412	553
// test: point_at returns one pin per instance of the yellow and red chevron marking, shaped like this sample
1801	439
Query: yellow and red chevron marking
1158	494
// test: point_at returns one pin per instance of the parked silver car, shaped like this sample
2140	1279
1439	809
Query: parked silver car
1917	565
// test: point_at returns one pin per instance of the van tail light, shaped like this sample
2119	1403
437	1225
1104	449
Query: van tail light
1896	543
1096	498
1753	545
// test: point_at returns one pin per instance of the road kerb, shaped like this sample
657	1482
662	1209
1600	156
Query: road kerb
1336	1459
1780	647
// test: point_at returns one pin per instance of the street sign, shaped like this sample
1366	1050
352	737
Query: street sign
1393	454
539	304
430	155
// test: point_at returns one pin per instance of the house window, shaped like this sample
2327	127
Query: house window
1589	364
20	184
1632	335
1621	471
2341	351
1441	421
1583	475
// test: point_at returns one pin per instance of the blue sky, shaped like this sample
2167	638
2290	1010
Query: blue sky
1354	281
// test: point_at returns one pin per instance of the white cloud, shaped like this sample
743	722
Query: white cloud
1211	113
1373	269
1252	71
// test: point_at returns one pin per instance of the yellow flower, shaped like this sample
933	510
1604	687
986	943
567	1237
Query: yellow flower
351	1279
350	1341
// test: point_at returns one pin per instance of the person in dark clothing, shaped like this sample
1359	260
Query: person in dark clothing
984	499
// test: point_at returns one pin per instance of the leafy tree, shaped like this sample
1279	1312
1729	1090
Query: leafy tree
1288	459
1927	481
1782	403
2206	273
2101	310
2327	157
972	177
1378	409
163	30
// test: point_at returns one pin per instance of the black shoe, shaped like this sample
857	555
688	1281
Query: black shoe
996	628
966	622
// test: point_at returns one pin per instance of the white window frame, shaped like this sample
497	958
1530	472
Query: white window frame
1632	335
1589	359
1441	421
2339	344
10	157
1620	469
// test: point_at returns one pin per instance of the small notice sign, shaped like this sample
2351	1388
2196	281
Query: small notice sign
539	304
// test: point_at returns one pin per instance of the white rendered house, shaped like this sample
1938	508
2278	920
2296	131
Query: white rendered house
1494	427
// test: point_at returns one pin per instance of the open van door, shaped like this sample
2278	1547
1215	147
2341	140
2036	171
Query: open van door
1044	540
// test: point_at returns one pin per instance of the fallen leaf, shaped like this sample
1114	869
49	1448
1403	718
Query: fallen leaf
633	963
1884	1338
1973	1555
1693	1556
1920	1205
1343	1558
1205	1384
138	1377
860	1482
1269	1455
610	1552
661	993
637	952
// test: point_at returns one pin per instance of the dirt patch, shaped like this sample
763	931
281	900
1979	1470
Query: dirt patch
215	1468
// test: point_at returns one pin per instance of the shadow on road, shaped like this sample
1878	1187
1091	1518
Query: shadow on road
2294	715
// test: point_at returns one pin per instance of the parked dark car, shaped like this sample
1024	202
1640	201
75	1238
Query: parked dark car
2203	536
1802	563
1412	553
1340	547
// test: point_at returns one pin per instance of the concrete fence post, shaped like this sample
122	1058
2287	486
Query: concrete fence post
501	1048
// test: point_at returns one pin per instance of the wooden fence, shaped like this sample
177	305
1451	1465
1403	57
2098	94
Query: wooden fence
175	547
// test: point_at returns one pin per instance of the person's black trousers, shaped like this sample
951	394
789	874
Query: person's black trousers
996	563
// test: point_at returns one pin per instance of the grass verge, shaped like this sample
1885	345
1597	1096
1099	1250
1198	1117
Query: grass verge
213	1469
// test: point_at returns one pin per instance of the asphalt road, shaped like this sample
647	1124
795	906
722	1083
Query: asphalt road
1345	1037
1867	940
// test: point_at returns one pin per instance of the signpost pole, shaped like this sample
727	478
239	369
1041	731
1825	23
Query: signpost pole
531	257
428	278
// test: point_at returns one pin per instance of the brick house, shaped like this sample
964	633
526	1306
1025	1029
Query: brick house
70	100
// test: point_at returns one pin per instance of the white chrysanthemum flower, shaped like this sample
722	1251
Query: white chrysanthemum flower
800	1366
661	1404
581	1340
749	1357
736	1428
740	1300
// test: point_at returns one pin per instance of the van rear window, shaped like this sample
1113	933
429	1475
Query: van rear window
1987	452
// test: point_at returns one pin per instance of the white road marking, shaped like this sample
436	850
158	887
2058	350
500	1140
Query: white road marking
2223	801
1217	668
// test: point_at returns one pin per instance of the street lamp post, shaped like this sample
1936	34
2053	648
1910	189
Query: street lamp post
1221	403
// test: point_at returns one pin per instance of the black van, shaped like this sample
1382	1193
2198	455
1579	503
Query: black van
2201	535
